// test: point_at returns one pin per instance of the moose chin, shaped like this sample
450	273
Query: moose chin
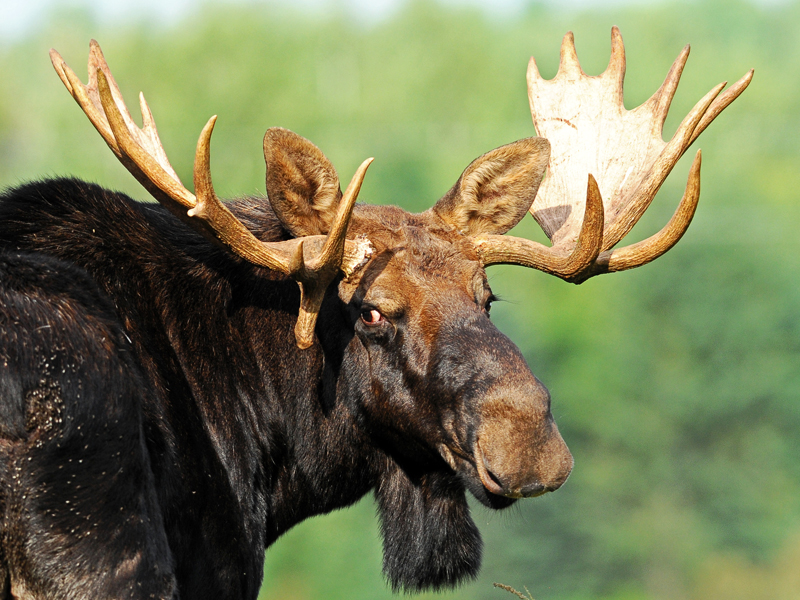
181	383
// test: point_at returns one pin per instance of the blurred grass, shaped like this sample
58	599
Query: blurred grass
677	386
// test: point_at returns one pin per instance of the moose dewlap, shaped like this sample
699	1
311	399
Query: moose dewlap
173	398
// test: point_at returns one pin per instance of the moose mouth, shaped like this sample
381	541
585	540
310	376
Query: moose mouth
473	474
494	485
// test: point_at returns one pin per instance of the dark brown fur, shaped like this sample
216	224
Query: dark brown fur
228	433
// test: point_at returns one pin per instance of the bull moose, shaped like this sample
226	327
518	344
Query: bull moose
173	398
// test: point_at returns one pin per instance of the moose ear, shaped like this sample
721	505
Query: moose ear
496	190
302	185
429	539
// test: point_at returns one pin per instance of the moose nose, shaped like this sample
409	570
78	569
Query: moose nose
520	454
527	480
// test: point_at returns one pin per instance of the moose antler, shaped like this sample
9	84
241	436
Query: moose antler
313	261
592	135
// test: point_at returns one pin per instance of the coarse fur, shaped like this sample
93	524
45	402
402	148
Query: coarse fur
169	367
81	516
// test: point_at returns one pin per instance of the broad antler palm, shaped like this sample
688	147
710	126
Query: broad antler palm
622	155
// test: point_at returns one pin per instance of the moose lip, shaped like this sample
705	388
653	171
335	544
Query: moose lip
466	467
490	491
492	484
488	479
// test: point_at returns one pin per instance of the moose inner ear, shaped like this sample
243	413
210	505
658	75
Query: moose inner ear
302	185
496	190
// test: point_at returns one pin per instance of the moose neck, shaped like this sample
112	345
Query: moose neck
247	434
318	457
279	419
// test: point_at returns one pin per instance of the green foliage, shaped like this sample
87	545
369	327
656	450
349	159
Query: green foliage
677	385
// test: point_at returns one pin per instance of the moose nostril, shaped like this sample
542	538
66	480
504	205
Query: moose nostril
490	481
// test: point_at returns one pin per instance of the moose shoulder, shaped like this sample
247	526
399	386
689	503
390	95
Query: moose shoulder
175	398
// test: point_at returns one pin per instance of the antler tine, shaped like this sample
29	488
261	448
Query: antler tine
218	223
89	98
533	70
334	244
82	96
151	133
316	276
569	63
590	239
616	63
97	63
146	165
721	103
203	186
662	99
646	191
640	253
506	249
61	67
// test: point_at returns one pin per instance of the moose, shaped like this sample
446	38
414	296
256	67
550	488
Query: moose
173	399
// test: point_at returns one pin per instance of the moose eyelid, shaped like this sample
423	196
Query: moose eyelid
390	308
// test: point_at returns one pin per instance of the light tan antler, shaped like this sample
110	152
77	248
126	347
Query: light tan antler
313	261
593	136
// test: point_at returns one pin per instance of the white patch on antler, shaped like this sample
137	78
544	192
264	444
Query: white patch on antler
590	131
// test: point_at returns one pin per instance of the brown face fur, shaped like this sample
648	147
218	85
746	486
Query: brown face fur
443	389
444	382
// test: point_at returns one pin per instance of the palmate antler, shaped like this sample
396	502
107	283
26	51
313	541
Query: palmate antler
622	155
313	261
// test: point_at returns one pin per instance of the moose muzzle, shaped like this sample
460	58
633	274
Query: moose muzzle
518	450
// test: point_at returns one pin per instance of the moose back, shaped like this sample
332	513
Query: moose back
181	383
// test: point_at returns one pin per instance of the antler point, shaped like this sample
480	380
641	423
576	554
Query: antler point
569	62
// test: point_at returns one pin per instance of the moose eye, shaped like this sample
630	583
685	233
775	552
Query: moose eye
372	317
487	308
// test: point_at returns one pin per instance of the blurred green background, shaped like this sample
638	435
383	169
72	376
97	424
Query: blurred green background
677	385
